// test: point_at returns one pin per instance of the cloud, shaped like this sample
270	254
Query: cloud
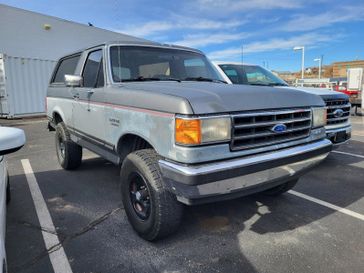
235	6
147	28
305	22
202	40
156	27
308	40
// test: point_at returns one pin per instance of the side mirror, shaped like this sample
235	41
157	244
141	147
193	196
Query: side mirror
73	80
11	140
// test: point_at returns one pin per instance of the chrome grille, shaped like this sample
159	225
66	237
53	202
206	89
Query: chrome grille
335	104
254	129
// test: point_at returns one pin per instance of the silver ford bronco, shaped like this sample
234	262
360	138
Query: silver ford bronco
180	133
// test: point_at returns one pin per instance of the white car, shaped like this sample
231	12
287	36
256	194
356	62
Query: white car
11	140
338	128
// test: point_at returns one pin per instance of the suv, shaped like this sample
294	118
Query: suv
180	134
338	128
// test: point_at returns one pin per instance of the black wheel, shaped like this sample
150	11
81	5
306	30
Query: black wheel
69	154
278	190
152	210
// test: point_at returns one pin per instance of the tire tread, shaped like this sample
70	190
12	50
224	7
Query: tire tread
73	156
169	210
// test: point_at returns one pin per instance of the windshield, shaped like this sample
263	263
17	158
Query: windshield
252	75
140	63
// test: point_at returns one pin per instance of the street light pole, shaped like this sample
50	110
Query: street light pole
303	61
320	66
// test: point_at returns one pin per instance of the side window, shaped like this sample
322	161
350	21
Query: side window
65	66
93	72
100	76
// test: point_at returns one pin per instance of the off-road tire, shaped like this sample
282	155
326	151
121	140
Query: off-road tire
278	190
165	211
70	155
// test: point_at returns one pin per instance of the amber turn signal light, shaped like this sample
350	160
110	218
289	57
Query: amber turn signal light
188	131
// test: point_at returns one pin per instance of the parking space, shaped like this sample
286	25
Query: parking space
250	234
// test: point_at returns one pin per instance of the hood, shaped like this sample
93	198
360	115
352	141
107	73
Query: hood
325	93
207	98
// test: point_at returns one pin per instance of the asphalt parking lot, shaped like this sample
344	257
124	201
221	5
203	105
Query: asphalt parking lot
306	230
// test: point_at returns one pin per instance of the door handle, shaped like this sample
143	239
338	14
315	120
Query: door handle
76	96
90	92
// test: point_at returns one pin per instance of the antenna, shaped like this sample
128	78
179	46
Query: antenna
242	53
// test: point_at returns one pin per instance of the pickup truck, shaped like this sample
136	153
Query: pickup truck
338	128
180	134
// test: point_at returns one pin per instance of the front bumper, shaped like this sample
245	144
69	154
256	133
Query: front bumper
203	183
339	135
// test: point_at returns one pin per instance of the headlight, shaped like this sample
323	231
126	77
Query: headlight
319	117
202	130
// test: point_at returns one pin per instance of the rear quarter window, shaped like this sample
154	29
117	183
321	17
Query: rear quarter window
66	66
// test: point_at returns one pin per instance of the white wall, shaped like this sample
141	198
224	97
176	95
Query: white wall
30	51
22	34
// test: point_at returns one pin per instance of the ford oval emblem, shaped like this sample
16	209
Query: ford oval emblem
279	128
338	113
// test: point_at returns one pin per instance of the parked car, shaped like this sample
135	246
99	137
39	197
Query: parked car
181	134
11	140
338	128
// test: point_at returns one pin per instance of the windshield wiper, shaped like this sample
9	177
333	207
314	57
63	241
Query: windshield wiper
277	84
258	84
203	79
170	79
141	79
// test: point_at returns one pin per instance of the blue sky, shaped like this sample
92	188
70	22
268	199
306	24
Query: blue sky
267	29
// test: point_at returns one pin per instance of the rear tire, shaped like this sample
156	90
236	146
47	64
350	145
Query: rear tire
69	154
278	190
152	210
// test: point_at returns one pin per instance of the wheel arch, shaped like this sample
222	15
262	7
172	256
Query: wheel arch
131	142
57	115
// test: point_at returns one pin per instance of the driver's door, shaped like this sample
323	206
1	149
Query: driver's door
88	111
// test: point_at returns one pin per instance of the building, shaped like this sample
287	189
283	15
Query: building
30	45
340	68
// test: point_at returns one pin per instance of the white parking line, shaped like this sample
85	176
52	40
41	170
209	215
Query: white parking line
58	256
328	205
344	153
